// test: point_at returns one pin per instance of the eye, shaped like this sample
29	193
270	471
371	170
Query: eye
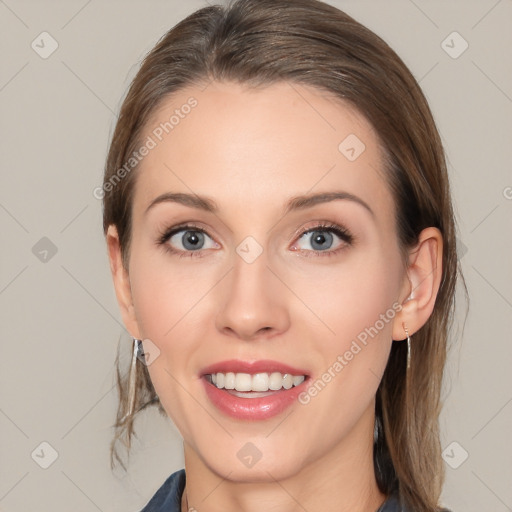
191	241
322	237
186	240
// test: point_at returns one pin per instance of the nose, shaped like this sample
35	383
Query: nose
253	302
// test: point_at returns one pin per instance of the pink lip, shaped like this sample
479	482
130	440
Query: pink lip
261	366
253	408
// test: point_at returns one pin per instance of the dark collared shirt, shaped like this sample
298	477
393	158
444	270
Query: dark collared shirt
168	497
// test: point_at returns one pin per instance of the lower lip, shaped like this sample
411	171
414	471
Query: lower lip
260	408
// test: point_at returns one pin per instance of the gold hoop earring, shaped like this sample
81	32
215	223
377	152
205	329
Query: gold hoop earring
408	346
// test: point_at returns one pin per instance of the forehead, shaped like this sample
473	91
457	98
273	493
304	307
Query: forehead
256	148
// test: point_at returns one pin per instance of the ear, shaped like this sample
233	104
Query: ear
121	282
421	283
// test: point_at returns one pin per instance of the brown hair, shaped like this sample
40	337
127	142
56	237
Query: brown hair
260	42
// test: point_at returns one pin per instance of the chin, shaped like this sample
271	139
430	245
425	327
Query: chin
241	460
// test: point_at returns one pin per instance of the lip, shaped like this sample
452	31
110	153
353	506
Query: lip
253	409
252	367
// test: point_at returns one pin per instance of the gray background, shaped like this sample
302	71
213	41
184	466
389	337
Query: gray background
60	321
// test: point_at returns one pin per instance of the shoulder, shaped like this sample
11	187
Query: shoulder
168	497
392	504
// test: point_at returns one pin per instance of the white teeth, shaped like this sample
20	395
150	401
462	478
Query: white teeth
298	380
275	381
229	381
243	382
257	382
287	381
260	382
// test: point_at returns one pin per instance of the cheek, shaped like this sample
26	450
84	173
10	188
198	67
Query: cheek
165	304
352	296
358	305
337	302
165	293
169	299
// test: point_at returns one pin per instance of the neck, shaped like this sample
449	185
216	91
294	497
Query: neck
342	479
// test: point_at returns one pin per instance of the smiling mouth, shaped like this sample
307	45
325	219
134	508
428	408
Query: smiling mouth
255	395
258	385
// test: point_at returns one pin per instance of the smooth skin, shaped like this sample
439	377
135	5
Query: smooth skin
251	151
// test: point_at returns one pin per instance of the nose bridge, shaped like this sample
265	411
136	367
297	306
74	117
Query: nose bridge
254	301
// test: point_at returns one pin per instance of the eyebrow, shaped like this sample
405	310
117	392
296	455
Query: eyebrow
295	203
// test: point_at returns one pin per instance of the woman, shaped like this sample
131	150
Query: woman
282	243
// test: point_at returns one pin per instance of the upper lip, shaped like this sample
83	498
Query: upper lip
260	366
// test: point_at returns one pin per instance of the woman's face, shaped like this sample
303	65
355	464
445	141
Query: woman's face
253	280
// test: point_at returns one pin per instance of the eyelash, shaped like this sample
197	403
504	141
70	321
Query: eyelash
339	231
